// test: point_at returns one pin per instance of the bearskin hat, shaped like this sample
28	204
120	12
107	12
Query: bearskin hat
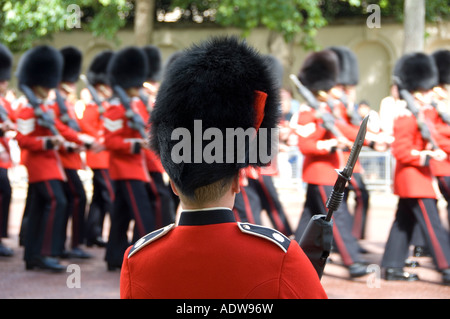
72	64
348	66
226	84
442	60
96	73
319	71
153	55
6	59
128	68
416	71
276	68
40	66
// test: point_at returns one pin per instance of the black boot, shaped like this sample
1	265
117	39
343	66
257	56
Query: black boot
45	263
399	274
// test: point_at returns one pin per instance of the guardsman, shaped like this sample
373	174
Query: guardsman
346	108
125	138
441	169
6	124
91	123
160	191
321	141
208	254
64	108
39	135
417	75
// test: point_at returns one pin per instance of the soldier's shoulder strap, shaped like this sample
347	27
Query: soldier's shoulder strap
149	238
267	233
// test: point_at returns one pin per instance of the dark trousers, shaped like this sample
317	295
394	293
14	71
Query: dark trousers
101	203
444	187
315	203
361	208
5	201
45	232
162	200
76	206
131	201
424	213
261	194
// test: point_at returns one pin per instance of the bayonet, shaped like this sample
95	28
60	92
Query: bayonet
344	176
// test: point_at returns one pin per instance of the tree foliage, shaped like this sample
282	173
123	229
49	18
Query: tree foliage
23	22
289	18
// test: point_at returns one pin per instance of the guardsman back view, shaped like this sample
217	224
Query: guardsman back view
215	87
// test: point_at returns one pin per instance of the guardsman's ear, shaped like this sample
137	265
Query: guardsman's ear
174	188
236	185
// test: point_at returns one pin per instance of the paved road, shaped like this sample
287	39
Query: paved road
98	283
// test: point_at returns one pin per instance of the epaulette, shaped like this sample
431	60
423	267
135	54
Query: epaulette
267	233
149	238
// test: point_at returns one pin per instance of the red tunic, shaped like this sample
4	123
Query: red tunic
319	164
412	177
41	163
208	256
126	159
91	123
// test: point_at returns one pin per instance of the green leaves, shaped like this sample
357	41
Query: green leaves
287	17
24	22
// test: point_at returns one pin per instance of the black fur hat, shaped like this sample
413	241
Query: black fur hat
442	60
319	71
128	68
153	55
96	73
72	64
416	71
348	66
6	59
40	66
228	86
276	68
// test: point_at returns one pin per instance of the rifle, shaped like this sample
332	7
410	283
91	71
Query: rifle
134	119
355	118
93	93
65	118
411	105
317	239
444	116
44	119
327	118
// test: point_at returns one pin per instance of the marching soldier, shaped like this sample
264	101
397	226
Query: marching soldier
160	192
91	123
441	169
70	152
125	139
413	149
208	254
39	135
6	124
321	141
